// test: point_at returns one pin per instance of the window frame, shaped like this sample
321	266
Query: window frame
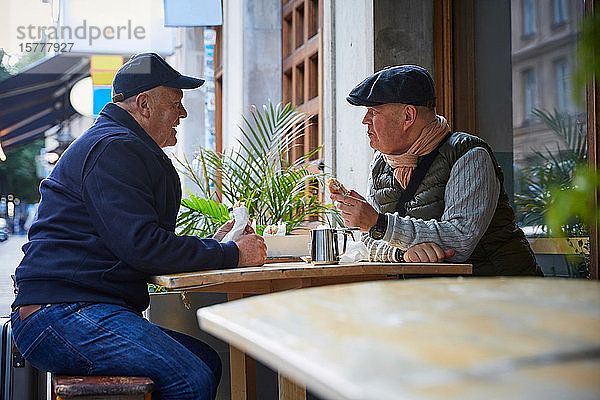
561	16
302	22
593	121
563	84
531	93
529	24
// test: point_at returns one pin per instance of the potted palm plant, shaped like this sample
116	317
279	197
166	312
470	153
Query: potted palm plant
551	169
550	174
258	173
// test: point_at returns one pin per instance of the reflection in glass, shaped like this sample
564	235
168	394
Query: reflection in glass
549	129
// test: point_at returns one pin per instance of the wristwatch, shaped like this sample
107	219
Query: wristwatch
378	230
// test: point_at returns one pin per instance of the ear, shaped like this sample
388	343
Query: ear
142	105
410	116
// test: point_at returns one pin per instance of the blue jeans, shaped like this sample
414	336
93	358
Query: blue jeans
107	339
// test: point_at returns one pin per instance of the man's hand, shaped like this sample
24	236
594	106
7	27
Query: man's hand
356	211
228	226
252	250
223	230
427	252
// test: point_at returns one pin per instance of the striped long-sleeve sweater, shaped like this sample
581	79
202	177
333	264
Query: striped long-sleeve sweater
470	198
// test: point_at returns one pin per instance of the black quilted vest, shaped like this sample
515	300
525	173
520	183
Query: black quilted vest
503	249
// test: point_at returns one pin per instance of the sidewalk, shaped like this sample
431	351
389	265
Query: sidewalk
10	256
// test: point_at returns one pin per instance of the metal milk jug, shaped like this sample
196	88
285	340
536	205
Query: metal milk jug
324	245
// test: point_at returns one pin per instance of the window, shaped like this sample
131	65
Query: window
560	11
541	158
301	22
528	17
563	86
530	93
549	146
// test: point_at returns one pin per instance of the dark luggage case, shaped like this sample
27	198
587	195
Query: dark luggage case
19	381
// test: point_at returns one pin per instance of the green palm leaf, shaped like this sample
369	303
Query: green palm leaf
257	173
551	169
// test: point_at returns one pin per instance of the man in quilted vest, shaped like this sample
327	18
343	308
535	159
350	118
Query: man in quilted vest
430	189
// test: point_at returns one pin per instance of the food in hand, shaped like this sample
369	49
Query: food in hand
240	214
270	230
336	187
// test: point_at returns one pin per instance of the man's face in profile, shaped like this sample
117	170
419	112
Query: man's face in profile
165	112
385	128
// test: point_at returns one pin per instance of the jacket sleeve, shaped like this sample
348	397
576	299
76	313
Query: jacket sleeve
117	192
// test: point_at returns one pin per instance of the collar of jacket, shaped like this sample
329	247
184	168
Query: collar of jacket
122	117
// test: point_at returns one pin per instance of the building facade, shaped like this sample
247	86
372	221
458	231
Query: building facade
544	39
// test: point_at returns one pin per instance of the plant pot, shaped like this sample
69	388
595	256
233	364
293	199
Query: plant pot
289	245
557	245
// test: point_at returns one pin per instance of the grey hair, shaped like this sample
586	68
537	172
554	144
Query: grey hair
127	103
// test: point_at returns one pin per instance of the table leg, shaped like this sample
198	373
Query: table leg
243	375
289	390
242	368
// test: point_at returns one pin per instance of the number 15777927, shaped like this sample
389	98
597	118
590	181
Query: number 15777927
46	46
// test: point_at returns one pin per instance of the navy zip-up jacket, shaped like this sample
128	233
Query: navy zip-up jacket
106	221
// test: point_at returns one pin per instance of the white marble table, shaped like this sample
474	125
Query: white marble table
446	338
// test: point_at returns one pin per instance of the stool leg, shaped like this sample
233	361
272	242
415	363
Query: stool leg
52	391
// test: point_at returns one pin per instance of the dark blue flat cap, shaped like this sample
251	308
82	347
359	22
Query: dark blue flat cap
146	71
405	84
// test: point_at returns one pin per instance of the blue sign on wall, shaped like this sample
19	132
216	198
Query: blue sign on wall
102	96
193	13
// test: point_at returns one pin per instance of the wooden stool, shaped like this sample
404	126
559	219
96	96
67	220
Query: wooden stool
101	387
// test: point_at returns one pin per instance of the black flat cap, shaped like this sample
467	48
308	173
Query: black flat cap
406	84
146	71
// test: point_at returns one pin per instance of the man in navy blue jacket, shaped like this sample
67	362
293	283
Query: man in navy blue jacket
105	224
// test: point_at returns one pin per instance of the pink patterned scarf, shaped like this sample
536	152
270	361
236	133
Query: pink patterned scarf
404	164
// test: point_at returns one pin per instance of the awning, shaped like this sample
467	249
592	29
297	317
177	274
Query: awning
37	98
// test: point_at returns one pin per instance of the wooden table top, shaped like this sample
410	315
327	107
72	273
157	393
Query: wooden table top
304	270
443	338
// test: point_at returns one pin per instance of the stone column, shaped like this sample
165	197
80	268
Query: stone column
360	37
403	33
348	59
189	60
494	83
